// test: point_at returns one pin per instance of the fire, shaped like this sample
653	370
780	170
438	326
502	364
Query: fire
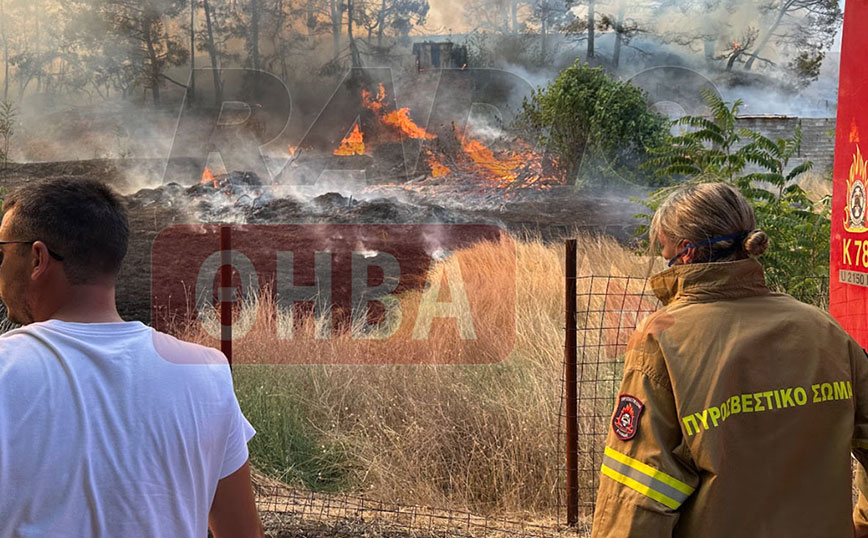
736	46
519	168
399	119
483	156
374	104
208	177
516	168
438	169
292	150
854	132
353	144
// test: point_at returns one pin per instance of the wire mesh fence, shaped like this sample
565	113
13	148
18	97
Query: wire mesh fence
609	309
287	512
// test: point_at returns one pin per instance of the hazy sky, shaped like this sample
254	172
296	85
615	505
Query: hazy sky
446	15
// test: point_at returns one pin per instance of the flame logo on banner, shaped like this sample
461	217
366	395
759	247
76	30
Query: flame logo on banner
854	220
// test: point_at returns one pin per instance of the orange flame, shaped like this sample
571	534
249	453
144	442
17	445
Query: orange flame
292	150
374	104
480	154
513	169
208	177
399	119
438	169
353	144
854	132
519	168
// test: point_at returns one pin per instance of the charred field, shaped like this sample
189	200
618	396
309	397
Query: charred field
242	198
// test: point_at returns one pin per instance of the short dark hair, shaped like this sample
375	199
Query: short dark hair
83	220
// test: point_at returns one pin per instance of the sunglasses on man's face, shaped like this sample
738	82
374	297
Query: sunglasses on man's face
53	254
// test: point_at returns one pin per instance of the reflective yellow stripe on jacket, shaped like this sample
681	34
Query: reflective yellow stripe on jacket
645	479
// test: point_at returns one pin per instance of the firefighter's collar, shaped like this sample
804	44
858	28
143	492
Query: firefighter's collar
702	282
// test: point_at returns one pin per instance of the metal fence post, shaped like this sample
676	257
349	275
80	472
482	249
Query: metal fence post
226	294
571	385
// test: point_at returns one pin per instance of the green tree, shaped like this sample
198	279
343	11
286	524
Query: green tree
800	227
806	67
715	149
8	115
586	117
799	23
709	148
138	33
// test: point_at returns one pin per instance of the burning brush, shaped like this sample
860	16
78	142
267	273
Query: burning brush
468	157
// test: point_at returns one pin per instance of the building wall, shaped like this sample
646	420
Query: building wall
818	136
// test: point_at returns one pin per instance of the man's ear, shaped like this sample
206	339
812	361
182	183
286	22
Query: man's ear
39	260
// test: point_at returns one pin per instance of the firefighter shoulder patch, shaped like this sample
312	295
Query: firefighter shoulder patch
626	419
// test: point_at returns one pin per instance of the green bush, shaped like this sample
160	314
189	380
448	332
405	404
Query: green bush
714	149
592	125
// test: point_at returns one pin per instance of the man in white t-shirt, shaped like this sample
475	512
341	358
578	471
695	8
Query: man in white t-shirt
107	427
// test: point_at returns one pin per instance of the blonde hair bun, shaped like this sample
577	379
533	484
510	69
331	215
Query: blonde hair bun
756	242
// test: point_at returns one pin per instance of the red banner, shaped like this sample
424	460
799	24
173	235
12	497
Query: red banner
849	248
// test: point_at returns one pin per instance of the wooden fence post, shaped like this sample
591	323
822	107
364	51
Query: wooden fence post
226	293
571	385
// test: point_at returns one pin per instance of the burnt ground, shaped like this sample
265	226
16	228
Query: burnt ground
551	214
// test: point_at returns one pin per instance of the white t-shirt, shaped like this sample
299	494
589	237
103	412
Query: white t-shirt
113	429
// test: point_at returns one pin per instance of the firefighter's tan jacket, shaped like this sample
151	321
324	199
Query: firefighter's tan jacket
749	404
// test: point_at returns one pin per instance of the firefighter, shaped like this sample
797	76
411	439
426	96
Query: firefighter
739	407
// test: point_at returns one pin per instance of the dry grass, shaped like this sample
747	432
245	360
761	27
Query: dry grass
477	437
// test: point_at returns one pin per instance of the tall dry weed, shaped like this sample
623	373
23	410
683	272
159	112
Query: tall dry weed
482	437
